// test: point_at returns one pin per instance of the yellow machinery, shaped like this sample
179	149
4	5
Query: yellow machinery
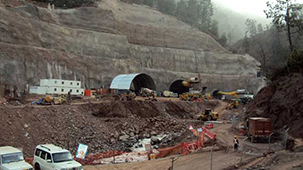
209	115
150	94
235	102
190	82
192	95
61	99
48	100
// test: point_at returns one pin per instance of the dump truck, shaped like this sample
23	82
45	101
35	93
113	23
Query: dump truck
258	128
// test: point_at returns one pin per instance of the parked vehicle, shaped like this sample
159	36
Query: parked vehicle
52	157
258	127
12	159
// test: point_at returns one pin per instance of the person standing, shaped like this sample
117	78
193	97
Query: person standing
69	96
236	143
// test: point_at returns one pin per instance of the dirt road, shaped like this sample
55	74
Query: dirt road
195	161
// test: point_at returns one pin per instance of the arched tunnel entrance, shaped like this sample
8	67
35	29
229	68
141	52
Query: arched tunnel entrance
142	81
215	94
133	82
177	87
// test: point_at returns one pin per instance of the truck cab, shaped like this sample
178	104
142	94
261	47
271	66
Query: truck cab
12	159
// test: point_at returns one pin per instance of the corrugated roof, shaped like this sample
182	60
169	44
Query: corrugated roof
123	81
134	81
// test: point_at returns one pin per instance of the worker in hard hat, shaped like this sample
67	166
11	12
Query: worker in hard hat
236	143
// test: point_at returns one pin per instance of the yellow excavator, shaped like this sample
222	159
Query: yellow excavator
192	95
235	102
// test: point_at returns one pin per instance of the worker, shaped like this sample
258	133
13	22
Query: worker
236	143
69	97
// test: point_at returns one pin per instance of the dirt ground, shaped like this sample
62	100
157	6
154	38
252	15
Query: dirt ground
195	161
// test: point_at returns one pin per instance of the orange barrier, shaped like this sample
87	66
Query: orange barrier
183	148
209	134
164	152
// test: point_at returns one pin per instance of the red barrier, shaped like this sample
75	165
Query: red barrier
210	126
209	134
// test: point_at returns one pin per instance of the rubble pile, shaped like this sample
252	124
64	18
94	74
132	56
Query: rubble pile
104	126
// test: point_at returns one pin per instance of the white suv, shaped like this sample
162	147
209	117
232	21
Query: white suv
12	159
51	157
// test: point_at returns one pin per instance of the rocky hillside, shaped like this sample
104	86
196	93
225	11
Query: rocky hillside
96	44
282	102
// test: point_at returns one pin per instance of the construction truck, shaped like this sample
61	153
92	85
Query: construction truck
208	115
257	128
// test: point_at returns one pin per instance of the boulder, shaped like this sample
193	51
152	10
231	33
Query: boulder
124	138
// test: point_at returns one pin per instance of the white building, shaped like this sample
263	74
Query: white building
57	86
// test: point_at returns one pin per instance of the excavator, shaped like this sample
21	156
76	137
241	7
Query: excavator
235	102
192	95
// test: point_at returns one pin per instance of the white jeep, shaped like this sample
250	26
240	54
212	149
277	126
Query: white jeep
51	157
12	159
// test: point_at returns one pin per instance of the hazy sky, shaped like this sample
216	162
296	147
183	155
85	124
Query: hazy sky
255	7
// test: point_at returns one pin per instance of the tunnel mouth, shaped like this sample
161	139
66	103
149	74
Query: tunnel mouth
143	81
177	87
215	94
133	82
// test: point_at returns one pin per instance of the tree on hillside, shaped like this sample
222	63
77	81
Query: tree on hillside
246	43
260	28
148	2
193	12
286	15
181	10
166	6
251	27
214	28
206	14
223	39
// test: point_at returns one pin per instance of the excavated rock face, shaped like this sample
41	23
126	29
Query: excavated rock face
282	102
96	44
